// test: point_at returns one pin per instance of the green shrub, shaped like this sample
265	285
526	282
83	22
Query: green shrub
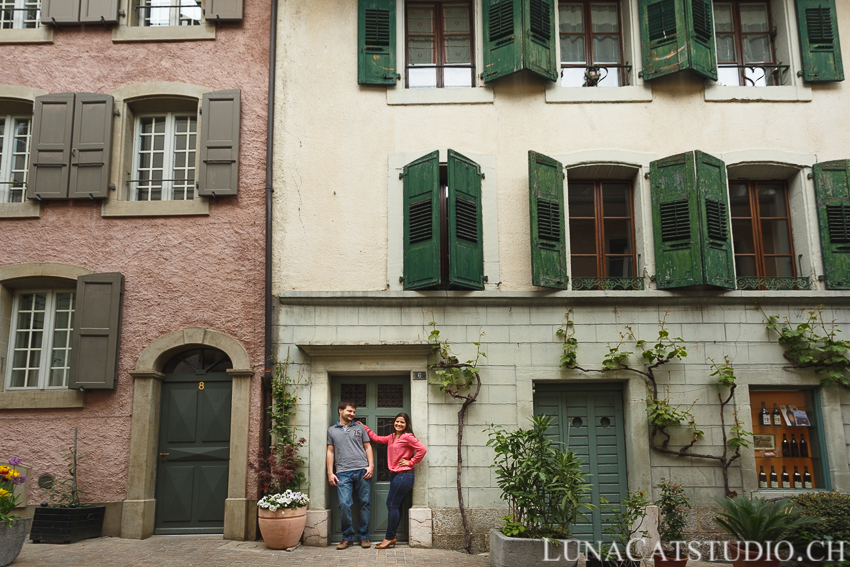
833	512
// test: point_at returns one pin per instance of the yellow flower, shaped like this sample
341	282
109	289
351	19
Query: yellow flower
3	492
4	470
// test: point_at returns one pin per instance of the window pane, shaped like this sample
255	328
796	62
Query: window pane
754	18
456	17
728	76
739	199
421	51
571	18
745	266
726	49
572	77
457	77
615	200
772	201
612	79
606	49
583	266
18	378
420	20
742	236
572	49
775	237
723	21
422	78
604	18
582	236
757	49
581	200
619	267
618	236
778	267
458	50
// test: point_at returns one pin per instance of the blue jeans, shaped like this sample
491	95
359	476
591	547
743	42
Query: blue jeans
400	485
353	481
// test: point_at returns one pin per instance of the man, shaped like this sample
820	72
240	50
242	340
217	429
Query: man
350	467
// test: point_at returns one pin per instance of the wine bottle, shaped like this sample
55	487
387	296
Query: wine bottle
786	447
804	447
807	478
798	480
762	478
765	417
774	480
777	417
786	480
795	449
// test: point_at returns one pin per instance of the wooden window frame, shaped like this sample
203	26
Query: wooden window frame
167	187
738	35
438	35
599	224
588	37
7	154
19	19
756	219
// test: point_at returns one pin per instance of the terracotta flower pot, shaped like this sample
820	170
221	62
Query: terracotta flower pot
669	560
748	558
282	529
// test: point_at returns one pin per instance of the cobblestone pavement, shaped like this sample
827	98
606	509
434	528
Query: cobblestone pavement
213	551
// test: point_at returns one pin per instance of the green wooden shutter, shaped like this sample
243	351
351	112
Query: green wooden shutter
546	207
97	326
677	35
832	190
218	174
503	45
50	154
538	38
60	12
224	11
422	222
91	149
819	43
466	243
376	39
717	257
99	12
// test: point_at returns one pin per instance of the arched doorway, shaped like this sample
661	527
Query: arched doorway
193	449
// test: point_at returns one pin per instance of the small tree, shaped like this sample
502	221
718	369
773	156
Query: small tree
673	507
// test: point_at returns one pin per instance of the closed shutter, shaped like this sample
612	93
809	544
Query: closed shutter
538	39
224	11
503	45
832	191
97	326
546	207
819	41
99	11
376	42
717	257
218	174
677	35
91	150
422	222
466	242
60	12
50	154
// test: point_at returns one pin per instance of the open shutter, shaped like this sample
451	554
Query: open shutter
819	41
91	150
832	190
376	39
50	154
97	324
60	12
503	45
224	11
677	35
466	243
546	206
422	222
99	11
717	257
218	174
538	38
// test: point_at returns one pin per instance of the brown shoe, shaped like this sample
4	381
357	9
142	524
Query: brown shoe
365	543
345	544
386	544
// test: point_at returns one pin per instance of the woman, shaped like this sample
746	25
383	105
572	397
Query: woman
404	451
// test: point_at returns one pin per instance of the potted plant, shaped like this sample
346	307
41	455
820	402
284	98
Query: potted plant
625	524
672	509
13	530
545	489
753	523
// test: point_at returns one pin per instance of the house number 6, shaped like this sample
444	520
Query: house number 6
200	385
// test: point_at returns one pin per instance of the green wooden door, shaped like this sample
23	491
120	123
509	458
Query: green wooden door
378	400
194	444
589	421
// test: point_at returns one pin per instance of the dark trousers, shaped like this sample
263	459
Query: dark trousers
400	485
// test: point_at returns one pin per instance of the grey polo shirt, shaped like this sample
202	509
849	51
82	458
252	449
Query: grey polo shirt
348	443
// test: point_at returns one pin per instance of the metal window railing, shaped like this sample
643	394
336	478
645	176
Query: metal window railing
772	74
593	73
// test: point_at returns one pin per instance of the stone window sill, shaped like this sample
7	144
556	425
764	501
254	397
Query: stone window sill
25	210
164	33
43	34
401	95
41	399
199	206
558	94
791	93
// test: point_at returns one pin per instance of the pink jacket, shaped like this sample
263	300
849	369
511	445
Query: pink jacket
401	448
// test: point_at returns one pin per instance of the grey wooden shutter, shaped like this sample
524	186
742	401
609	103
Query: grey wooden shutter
50	154
60	12
99	12
224	11
91	150
97	326
219	168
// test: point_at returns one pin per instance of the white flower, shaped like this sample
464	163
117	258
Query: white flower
288	500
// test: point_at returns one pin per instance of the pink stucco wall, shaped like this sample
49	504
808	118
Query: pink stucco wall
179	271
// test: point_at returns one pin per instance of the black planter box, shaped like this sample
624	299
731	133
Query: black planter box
66	525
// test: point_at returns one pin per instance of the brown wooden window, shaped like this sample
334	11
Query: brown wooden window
761	229
439	44
745	50
591	44
601	229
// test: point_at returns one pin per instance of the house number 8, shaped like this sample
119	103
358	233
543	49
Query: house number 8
200	385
